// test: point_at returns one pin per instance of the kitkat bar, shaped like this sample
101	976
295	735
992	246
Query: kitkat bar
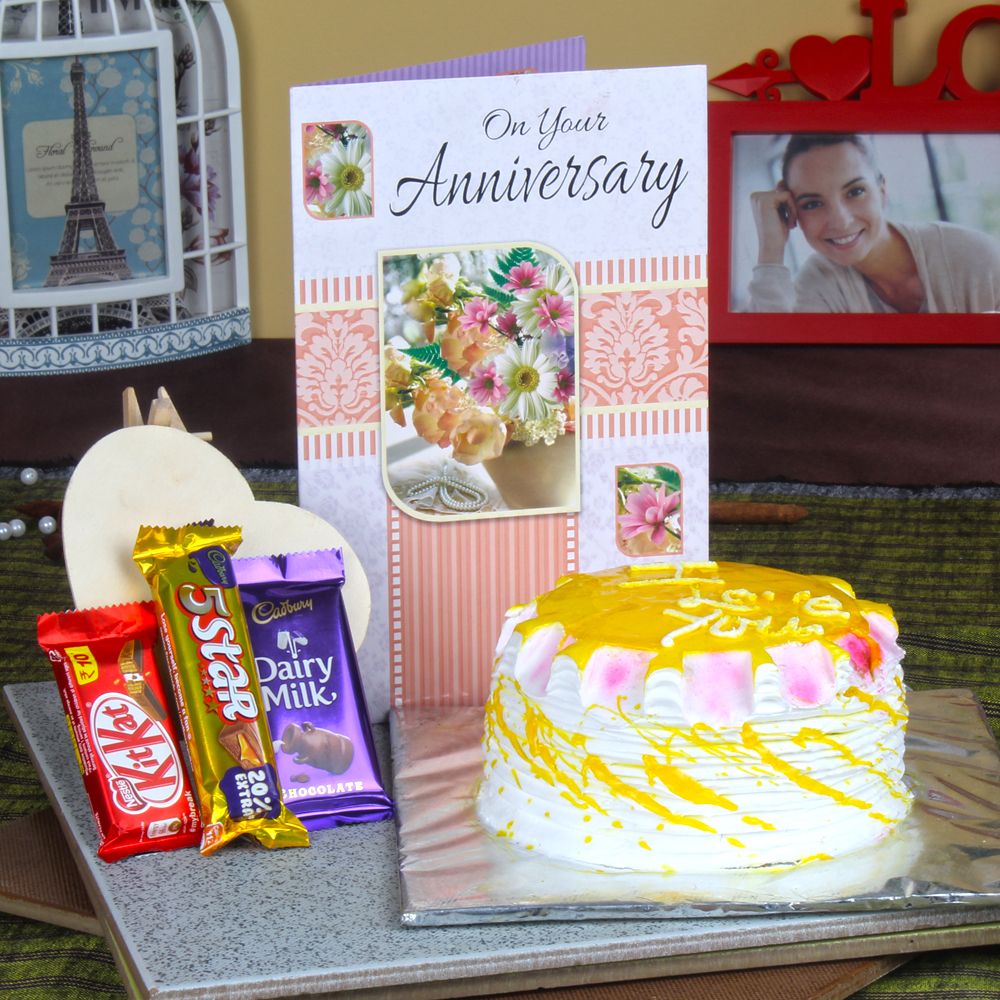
210	663
126	744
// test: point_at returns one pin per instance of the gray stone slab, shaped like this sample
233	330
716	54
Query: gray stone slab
246	923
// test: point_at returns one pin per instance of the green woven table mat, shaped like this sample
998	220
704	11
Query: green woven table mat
935	559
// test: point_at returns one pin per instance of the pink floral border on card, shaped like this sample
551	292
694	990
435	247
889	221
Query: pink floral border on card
337	365
638	346
643	346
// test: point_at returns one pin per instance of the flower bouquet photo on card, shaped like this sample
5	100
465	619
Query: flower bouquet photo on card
479	381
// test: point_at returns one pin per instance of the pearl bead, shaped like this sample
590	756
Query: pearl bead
47	525
17	528
5	531
455	494
29	476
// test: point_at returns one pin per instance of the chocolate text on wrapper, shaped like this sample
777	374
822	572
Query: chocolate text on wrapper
127	746
312	688
211	666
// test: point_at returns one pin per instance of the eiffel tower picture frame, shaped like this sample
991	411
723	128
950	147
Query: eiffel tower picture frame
88	157
122	199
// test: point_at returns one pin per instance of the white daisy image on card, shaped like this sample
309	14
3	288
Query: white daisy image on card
337	170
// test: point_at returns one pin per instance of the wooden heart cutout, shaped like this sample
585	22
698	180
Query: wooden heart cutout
163	476
833	70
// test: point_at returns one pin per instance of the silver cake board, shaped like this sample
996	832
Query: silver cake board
453	870
326	921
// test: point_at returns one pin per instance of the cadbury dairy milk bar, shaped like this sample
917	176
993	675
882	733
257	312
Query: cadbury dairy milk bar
312	689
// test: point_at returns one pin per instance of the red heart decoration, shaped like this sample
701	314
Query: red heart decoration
833	70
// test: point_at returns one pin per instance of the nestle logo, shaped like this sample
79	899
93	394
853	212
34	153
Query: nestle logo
125	797
138	752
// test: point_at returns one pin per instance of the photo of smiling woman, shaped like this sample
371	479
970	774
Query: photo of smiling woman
830	237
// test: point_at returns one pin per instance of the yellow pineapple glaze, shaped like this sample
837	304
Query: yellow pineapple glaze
695	717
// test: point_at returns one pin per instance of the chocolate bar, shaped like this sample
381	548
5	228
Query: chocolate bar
126	745
313	695
210	662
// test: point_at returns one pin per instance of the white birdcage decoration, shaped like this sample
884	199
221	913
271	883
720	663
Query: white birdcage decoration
122	202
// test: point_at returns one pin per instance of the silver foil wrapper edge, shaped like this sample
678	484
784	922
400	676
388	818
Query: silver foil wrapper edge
452	871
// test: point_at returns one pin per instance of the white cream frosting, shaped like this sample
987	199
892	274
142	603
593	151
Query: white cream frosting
653	734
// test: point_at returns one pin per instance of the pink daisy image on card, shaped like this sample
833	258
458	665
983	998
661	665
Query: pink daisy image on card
337	170
648	519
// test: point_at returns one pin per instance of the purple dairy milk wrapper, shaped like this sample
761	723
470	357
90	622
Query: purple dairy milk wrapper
312	690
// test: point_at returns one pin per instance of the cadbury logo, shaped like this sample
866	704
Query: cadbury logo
138	753
219	559
268	611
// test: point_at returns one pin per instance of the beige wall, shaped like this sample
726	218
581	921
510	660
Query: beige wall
286	42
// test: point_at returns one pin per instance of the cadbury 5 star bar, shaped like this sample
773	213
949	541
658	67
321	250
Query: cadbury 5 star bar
209	659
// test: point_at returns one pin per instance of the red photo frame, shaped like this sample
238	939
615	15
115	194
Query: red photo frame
728	120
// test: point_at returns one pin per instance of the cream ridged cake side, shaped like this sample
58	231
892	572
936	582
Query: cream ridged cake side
695	718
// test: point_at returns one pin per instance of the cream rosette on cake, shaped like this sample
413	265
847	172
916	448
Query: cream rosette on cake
695	718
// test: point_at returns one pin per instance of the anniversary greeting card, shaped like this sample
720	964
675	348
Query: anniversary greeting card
501	343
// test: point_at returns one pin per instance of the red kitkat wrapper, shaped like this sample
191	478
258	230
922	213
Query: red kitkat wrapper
126	742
